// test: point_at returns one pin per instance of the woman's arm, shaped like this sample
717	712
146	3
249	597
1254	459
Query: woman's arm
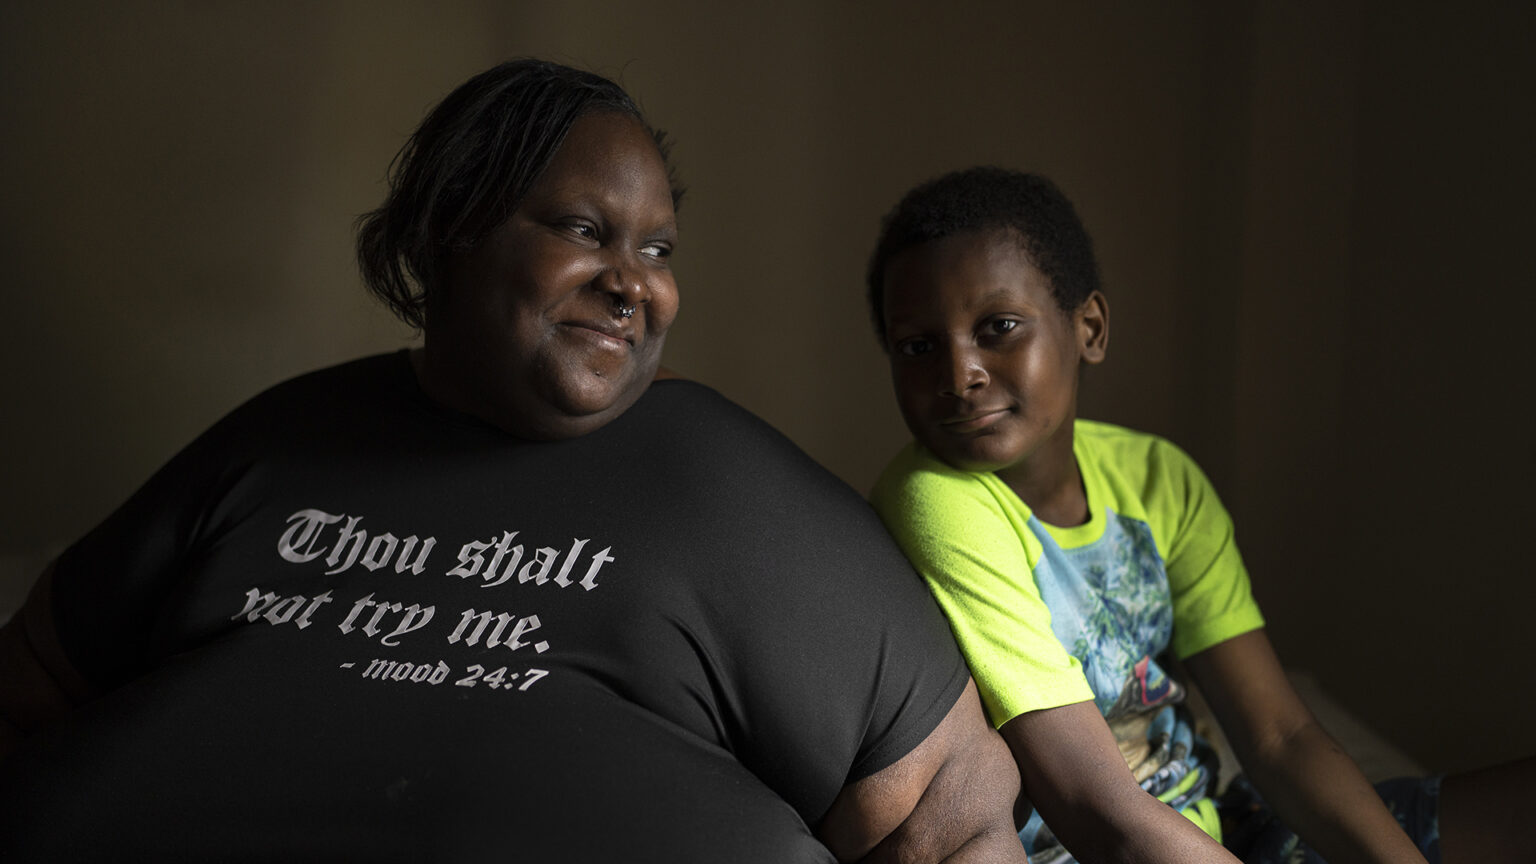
1074	773
38	685
947	800
1303	773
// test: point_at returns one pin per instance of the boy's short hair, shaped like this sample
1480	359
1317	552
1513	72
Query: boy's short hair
985	199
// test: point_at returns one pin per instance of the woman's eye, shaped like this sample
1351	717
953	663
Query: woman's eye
659	251
1000	326
581	229
915	347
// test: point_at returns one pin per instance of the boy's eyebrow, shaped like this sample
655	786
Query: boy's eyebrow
997	294
1000	293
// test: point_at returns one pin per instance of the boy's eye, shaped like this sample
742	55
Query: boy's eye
1000	326
581	229
659	251
914	347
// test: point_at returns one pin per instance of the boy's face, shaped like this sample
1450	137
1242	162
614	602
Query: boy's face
983	360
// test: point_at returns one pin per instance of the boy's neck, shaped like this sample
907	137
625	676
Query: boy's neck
1050	483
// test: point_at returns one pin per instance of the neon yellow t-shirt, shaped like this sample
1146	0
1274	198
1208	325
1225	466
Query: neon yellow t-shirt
1049	616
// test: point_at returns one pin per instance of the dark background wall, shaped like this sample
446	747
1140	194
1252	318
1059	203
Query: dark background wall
1313	219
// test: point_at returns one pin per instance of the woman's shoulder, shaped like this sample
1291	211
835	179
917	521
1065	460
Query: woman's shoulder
702	434
689	410
365	379
357	395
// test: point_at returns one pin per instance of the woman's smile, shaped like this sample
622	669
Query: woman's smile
604	334
530	331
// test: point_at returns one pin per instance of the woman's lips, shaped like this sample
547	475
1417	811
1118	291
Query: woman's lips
602	332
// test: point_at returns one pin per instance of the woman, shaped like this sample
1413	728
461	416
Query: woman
501	594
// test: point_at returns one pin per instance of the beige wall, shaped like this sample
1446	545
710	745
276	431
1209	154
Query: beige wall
1313	221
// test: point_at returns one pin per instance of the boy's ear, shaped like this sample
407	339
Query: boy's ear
1092	322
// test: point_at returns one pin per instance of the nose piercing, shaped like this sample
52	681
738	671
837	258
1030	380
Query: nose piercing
626	311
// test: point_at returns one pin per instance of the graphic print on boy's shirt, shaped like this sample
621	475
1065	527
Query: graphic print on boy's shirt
1111	609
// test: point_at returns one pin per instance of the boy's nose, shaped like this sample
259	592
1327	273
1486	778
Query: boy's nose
963	372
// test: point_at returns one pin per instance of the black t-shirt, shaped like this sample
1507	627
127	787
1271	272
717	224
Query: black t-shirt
346	623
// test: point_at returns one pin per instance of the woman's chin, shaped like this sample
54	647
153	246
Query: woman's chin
576	404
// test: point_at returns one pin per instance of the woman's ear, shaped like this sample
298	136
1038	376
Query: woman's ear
1092	322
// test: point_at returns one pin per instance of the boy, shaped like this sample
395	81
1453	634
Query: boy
1070	556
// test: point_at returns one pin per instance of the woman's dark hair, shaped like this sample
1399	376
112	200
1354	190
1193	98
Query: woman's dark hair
988	199
468	165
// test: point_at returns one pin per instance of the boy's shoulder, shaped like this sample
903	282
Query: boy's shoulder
1125	450
1112	435
1129	469
1141	475
916	485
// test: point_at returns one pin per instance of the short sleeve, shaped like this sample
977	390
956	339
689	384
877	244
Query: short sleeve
819	637
972	550
1212	598
110	587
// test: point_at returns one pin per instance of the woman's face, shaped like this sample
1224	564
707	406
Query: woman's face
525	329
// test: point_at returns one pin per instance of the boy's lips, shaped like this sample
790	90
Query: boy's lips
973	421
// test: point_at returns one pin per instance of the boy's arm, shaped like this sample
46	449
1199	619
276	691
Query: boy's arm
1311	783
1075	775
950	799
